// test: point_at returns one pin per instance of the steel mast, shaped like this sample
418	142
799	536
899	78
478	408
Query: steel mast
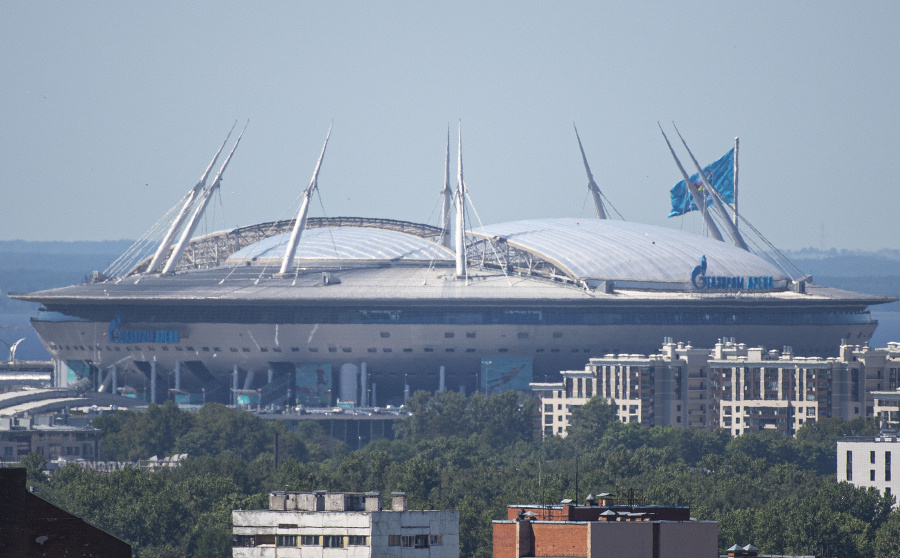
447	196
460	214
178	251
592	186
157	260
300	223
698	199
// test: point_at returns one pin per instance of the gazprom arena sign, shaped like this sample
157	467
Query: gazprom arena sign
119	335
701	281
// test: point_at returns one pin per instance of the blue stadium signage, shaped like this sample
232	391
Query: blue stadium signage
119	335
701	281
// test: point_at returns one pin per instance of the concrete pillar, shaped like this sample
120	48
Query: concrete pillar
374	401
441	386
114	372
271	375
234	385
405	392
153	381
177	374
363	380
462	389
248	381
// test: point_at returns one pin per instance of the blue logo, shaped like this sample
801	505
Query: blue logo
701	281
119	335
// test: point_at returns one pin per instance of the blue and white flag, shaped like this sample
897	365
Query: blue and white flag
720	175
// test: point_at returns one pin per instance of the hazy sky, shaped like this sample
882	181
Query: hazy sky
111	110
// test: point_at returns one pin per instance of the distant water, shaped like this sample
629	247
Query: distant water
17	326
888	328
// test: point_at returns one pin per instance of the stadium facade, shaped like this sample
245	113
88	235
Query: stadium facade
364	309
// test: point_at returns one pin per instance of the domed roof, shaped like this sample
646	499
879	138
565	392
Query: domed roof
624	251
347	243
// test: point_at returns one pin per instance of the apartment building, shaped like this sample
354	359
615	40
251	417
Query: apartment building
730	386
345	524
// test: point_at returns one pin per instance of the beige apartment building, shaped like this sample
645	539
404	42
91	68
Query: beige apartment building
730	386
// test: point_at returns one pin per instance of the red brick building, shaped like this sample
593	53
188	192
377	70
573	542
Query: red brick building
601	531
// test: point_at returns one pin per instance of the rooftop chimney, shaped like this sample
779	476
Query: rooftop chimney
398	501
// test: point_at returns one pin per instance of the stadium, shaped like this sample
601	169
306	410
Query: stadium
363	310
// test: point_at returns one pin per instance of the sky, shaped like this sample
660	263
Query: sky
111	111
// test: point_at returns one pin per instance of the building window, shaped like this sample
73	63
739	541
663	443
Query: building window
872	475
887	466
406	541
421	541
286	540
435	540
871	457
243	540
333	541
849	465
357	540
393	540
309	540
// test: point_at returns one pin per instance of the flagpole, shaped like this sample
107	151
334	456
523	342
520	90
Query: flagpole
737	142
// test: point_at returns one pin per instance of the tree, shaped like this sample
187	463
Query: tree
590	422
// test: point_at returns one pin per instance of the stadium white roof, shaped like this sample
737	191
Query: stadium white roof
624	251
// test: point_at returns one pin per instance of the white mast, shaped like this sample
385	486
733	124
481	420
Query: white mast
716	197
460	215
185	209
737	142
447	196
592	186
300	223
698	199
201	207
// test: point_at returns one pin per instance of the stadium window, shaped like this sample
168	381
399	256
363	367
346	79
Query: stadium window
407	350
205	349
470	335
385	334
429	350
347	349
449	335
192	349
372	350
177	348
165	348
264	349
245	349
522	335
554	350
470	350
557	335
386	350
539	350
151	348
504	350
311	349
276	349
449	350
296	349
332	349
